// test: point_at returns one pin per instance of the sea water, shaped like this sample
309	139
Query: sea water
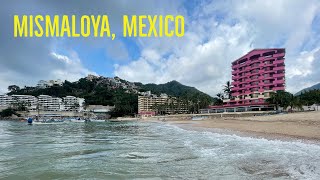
136	150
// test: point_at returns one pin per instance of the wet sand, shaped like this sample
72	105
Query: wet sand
303	125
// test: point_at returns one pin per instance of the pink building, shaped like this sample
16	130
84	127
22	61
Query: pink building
254	76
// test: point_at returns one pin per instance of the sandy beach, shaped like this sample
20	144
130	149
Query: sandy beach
303	125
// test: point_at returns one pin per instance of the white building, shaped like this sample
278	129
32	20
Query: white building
27	100
43	102
45	84
91	77
149	104
5	100
49	103
71	103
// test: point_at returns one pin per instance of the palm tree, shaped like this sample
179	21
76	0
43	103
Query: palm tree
280	98
220	96
295	102
227	89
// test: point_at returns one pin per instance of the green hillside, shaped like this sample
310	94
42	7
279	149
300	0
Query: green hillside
122	94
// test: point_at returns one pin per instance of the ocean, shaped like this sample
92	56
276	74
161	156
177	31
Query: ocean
147	150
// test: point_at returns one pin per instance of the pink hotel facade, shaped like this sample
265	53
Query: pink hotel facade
254	76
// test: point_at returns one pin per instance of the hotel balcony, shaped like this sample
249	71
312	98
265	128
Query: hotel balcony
269	65
252	68
279	81
235	89
243	65
235	72
278	88
255	59
248	80
234	83
279	61
235	66
279	55
255	73
243	70
235	78
280	68
253	86
268	77
278	75
235	94
267	71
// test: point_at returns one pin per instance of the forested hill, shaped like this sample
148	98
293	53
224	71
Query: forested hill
314	87
174	88
115	91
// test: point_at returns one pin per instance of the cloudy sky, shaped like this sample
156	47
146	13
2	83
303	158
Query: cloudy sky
217	32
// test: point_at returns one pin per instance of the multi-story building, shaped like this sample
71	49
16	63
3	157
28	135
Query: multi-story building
71	103
27	100
150	105
49	103
43	102
5	100
254	76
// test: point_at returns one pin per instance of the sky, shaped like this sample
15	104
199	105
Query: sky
216	33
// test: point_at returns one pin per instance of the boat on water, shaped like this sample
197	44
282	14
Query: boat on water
78	121
97	120
46	121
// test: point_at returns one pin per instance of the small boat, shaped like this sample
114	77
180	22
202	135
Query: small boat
97	120
46	123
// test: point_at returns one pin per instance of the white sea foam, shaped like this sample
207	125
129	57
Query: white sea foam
255	156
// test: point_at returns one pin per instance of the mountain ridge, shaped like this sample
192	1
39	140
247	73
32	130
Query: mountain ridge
314	87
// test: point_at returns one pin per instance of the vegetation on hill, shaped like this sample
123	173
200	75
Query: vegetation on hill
310	97
314	87
8	112
185	93
99	91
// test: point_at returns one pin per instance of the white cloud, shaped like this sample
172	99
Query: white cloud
72	68
304	70
217	32
220	32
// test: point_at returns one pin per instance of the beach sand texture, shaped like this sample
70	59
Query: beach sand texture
303	125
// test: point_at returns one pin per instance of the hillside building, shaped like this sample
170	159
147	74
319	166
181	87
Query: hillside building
43	102
45	84
150	105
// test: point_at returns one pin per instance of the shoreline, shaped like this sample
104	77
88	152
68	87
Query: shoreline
303	126
247	134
